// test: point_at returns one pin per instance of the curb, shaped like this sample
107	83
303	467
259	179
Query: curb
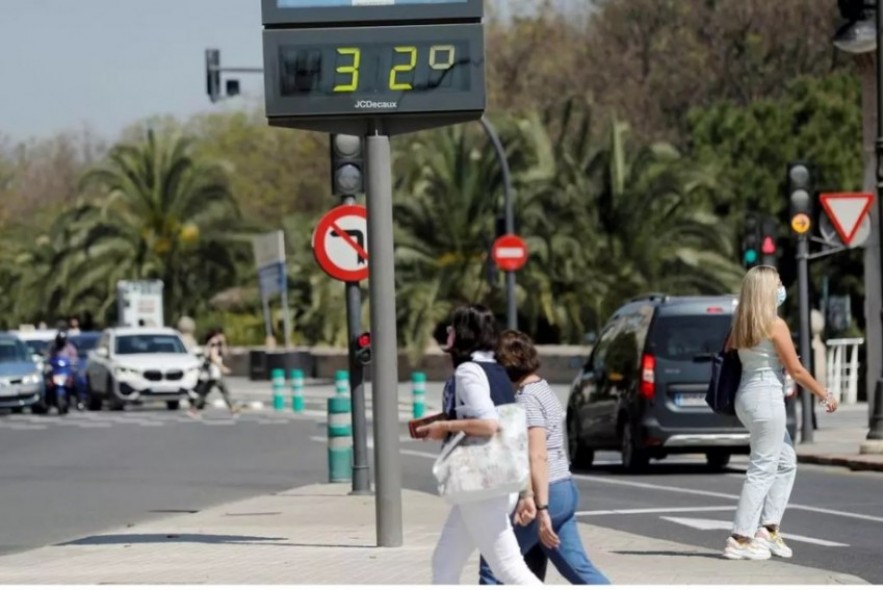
852	462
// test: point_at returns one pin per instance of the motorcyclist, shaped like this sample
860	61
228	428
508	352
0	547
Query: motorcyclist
64	348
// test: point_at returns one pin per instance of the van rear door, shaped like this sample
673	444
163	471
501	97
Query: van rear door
682	342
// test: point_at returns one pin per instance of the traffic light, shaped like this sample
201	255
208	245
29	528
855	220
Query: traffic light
750	241
213	74
347	165
800	196
768	248
362	348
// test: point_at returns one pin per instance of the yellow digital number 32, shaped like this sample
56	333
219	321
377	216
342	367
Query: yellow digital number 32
352	69
394	84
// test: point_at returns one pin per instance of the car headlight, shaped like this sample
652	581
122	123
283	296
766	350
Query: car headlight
122	372
31	379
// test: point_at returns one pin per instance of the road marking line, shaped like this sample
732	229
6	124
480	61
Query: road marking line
704	524
654	510
650	486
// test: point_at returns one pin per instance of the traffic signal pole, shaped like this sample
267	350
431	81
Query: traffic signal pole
361	475
806	430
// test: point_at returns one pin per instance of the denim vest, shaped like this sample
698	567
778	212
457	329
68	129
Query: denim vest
502	390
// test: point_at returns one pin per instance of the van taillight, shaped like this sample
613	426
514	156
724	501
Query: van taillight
648	376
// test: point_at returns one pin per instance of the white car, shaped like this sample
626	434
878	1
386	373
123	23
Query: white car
140	364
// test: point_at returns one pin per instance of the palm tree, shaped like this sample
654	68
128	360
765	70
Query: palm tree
165	215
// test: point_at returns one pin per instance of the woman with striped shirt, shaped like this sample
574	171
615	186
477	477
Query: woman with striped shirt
554	498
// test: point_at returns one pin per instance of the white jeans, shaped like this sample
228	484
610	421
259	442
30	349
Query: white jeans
772	465
484	525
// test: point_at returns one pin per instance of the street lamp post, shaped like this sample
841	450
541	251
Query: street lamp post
511	306
876	430
860	36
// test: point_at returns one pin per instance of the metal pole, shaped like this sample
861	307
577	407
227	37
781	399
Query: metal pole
384	386
268	325
511	307
806	431
361	476
875	432
286	319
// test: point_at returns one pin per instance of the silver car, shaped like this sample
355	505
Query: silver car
21	383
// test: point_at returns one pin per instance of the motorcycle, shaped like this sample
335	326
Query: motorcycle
60	383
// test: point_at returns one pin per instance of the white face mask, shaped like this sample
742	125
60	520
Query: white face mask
781	295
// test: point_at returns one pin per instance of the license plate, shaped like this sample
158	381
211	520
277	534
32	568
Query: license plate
9	390
687	400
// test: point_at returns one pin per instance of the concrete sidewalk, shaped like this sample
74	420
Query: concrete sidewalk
321	535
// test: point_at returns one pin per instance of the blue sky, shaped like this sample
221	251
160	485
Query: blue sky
107	63
104	64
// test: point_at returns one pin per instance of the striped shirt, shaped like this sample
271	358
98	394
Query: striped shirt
544	411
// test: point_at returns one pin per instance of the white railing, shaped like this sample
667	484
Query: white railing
843	371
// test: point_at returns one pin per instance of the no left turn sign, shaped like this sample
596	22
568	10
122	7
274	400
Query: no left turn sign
340	243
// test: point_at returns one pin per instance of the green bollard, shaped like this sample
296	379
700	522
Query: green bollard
278	376
418	389
342	383
340	440
297	391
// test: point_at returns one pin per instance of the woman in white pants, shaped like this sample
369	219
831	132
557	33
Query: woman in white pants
764	344
481	384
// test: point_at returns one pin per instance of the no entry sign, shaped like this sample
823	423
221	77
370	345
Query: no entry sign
340	243
509	252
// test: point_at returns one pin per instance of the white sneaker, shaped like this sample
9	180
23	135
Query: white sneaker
774	542
746	550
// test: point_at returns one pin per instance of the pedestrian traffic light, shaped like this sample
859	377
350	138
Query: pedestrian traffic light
768	248
800	196
347	176
750	241
213	74
362	348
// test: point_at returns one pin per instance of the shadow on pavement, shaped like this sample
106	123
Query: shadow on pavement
671	554
660	469
135	539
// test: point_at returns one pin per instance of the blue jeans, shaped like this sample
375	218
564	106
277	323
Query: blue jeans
570	557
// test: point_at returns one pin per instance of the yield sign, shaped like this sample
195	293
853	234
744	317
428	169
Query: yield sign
509	252
847	211
340	243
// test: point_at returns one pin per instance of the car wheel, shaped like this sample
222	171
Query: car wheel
634	459
717	460
93	400
581	457
173	405
113	404
17	410
39	408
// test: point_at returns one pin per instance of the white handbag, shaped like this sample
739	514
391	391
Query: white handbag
472	468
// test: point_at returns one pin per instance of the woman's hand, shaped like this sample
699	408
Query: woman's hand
434	431
525	512
830	403
547	536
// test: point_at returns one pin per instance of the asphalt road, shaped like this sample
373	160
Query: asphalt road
66	478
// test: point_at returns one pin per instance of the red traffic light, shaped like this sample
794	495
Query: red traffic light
769	245
364	340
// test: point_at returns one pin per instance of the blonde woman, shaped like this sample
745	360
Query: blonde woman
765	347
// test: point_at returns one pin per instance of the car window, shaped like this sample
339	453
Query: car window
13	351
683	338
149	344
597	361
38	346
85	343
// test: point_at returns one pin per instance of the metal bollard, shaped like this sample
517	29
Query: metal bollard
342	383
297	391
278	376
418	389
340	440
